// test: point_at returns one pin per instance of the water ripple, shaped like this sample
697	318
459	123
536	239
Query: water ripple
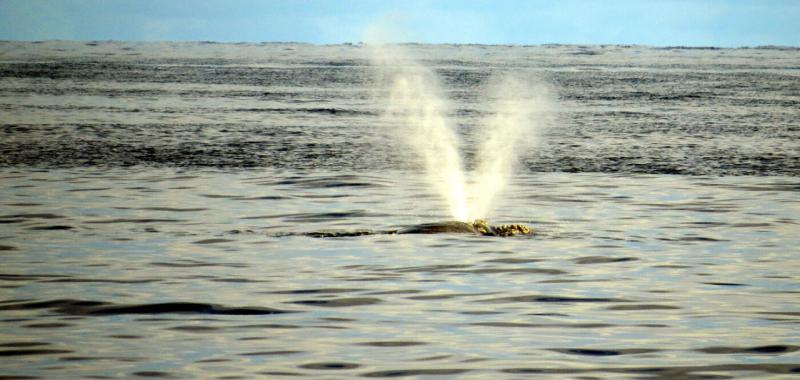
82	307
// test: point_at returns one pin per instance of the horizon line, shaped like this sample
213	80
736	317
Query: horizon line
362	43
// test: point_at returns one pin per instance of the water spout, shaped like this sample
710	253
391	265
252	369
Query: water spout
417	108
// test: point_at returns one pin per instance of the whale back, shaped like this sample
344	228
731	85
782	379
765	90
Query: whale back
440	227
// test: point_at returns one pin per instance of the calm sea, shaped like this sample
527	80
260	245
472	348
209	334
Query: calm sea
147	190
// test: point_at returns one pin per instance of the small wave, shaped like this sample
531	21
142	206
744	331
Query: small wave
83	307
51	228
605	352
186	263
328	182
545	325
666	372
340	302
327	111
330	365
764	350
213	241
89	189
33	351
724	284
133	220
316	291
32	216
167	209
156	374
416	372
271	353
642	307
391	343
327	216
554	299
602	260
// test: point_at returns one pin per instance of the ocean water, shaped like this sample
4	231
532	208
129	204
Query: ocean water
154	196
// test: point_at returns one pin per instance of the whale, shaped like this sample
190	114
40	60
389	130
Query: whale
478	227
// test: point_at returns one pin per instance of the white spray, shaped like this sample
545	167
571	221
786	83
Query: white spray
519	108
416	106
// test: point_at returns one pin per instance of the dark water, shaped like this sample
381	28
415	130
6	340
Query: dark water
144	187
621	109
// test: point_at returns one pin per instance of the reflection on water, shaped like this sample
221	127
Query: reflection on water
168	273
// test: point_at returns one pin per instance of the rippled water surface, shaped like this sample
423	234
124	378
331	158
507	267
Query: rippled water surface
182	273
153	205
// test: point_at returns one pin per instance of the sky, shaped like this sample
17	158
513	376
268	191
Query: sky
730	23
